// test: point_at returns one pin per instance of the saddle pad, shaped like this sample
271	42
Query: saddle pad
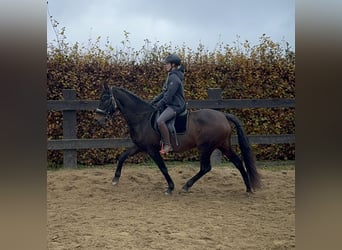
180	122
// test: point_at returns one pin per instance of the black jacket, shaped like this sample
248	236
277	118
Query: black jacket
173	92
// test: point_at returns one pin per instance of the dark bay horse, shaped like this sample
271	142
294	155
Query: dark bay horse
207	130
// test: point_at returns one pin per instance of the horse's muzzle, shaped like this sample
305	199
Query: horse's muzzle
100	116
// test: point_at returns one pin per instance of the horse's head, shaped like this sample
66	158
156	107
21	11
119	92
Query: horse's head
107	105
129	104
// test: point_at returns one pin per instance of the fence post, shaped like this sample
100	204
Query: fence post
215	94
69	130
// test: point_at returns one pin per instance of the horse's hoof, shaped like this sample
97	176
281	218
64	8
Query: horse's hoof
185	189
249	193
168	192
115	181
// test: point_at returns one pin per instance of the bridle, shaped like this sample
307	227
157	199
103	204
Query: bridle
107	112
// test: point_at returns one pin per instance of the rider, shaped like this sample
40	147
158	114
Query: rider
171	101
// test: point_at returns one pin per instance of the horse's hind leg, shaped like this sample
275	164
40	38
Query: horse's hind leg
235	159
205	168
129	152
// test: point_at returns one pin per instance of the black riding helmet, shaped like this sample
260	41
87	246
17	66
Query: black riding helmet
173	58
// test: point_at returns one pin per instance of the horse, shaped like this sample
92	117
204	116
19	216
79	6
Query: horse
207	129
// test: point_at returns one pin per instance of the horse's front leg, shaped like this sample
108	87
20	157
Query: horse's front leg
155	155
129	152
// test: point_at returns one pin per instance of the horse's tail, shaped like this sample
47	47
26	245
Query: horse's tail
247	153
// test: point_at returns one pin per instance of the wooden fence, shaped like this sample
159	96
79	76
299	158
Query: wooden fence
69	106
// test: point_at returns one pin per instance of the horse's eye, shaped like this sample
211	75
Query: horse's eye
104	97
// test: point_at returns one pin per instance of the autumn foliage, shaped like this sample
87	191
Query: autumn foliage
242	71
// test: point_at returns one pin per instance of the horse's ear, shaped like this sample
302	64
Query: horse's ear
105	86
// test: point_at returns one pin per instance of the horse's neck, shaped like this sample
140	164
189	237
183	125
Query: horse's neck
136	118
134	108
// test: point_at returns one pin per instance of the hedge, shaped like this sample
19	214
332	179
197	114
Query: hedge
242	71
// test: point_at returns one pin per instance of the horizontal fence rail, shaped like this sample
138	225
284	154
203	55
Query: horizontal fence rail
64	105
69	106
127	142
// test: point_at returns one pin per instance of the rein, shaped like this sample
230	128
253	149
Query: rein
129	116
132	118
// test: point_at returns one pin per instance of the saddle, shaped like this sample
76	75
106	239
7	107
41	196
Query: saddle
176	125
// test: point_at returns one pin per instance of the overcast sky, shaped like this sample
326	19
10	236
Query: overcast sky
179	22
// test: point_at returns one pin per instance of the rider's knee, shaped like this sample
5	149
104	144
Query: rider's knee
160	122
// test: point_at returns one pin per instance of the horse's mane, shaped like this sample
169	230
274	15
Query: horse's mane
137	99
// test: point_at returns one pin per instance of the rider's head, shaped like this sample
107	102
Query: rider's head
173	61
